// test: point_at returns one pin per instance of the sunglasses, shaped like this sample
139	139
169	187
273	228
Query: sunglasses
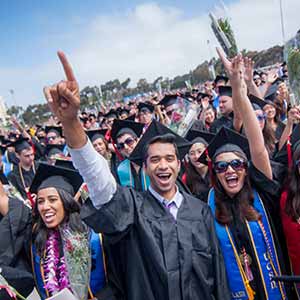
169	113
128	142
236	164
49	138
261	117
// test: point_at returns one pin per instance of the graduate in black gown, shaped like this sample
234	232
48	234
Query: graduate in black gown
22	174
162	242
15	230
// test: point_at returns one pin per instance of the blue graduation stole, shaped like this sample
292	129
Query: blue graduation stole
98	272
7	166
125	175
238	283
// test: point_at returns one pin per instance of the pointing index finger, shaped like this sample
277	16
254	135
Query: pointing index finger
66	65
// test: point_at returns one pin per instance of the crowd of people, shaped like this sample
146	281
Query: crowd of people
115	204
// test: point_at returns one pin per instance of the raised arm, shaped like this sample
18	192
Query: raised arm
3	201
64	101
259	154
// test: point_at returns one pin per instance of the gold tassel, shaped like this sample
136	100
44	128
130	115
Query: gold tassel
250	292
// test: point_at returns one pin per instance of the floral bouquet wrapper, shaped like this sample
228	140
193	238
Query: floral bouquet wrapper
183	116
11	291
224	34
78	260
292	54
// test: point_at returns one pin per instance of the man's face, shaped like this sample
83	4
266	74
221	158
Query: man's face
162	166
126	144
145	117
225	105
52	138
26	157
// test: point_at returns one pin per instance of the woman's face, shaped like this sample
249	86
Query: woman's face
194	153
209	116
270	111
50	207
231	179
100	146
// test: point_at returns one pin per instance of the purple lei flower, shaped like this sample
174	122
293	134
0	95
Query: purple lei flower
54	266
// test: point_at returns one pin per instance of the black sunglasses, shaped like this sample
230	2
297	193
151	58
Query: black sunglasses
128	141
236	164
261	117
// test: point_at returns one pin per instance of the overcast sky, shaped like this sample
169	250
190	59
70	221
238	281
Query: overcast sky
105	40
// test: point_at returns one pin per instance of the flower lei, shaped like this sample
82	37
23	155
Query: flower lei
55	270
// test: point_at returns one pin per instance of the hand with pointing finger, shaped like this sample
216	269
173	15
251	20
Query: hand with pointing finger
63	98
64	101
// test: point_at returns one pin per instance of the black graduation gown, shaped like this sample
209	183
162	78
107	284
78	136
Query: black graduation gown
14	178
151	256
220	122
270	192
15	232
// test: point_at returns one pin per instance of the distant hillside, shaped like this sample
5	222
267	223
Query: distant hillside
201	74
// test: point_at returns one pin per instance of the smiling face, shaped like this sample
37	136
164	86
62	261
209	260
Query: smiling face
100	146
50	207
194	153
162	166
209	116
231	180
126	144
270	111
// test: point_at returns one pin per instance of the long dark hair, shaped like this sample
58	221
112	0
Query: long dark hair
72	217
244	200
194	180
292	206
269	138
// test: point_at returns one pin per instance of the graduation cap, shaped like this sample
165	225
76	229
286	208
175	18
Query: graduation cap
96	134
56	129
111	114
221	78
226	140
259	102
65	163
58	177
20	144
271	92
130	118
54	149
153	130
145	107
225	91
168	100
121	127
199	136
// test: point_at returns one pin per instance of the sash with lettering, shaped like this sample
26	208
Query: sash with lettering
126	178
261	242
